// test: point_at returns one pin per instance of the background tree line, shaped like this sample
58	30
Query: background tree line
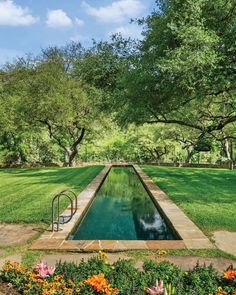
169	97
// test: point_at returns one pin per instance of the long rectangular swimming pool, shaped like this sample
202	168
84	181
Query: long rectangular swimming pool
123	210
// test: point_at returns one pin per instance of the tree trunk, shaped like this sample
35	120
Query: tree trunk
190	152
72	156
231	156
228	148
69	158
66	158
70	153
73	151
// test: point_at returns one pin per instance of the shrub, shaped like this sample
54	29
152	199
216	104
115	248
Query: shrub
127	278
166	271
228	281
97	276
80	272
201	280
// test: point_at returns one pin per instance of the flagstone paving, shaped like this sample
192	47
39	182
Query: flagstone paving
17	234
184	262
226	241
51	259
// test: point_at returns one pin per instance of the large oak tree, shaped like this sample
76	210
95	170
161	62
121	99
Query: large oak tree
185	71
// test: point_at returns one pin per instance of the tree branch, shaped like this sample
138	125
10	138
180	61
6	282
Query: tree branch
52	134
178	122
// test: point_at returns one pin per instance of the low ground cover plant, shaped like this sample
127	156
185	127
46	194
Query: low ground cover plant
98	276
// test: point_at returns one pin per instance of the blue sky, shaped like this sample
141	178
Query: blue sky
26	26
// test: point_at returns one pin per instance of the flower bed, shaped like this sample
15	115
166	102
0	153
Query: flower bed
98	276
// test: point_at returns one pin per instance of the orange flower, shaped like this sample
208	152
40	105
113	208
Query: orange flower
100	284
14	266
230	274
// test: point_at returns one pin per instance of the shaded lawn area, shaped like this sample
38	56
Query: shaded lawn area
26	194
207	196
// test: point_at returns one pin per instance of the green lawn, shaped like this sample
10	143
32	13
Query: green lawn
207	196
26	194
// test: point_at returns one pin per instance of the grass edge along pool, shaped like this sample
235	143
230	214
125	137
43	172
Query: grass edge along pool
123	209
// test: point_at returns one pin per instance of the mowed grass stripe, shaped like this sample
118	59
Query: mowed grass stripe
26	194
29	186
207	196
38	190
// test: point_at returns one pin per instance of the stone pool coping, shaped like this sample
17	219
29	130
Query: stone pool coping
191	236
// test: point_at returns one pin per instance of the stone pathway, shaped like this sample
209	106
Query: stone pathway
184	262
51	259
225	241
17	234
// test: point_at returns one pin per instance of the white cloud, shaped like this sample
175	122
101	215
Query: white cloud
58	19
79	22
12	14
118	11
131	30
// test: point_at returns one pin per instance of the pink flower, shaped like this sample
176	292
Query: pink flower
158	289
44	270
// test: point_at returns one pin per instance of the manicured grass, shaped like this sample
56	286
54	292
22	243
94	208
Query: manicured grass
26	194
207	196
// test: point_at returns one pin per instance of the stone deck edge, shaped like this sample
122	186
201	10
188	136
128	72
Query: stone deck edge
191	236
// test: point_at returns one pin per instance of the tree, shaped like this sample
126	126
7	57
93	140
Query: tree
49	97
12	126
63	105
185	71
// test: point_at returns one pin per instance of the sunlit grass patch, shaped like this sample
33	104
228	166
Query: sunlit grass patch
26	194
207	196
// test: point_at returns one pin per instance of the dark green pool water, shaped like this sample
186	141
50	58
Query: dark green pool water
123	210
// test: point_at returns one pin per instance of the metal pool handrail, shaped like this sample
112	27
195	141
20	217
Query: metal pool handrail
62	219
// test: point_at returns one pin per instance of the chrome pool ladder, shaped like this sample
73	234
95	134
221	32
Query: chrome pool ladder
62	219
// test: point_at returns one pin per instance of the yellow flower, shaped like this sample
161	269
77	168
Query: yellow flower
71	283
102	254
220	291
162	252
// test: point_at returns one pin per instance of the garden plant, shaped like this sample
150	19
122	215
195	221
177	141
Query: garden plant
98	276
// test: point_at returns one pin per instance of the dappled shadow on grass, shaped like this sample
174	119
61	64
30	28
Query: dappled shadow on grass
26	196
54	175
209	185
208	196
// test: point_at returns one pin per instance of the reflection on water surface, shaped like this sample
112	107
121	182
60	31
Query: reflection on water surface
123	210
